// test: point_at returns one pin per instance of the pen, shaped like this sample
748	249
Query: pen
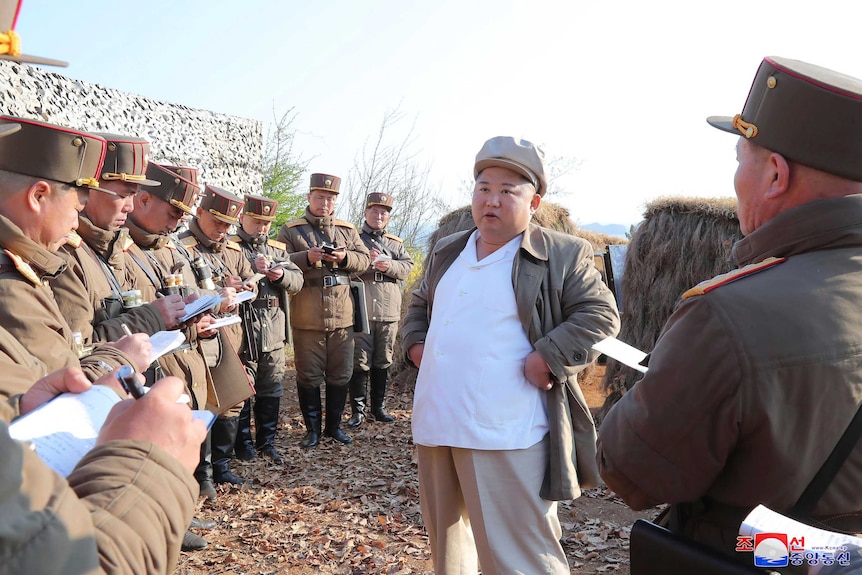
129	380
126	329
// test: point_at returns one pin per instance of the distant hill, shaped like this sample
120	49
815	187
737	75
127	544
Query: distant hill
618	230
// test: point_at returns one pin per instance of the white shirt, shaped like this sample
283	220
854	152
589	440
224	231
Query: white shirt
471	391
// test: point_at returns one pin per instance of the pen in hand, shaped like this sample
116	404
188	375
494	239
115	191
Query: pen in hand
129	380
126	329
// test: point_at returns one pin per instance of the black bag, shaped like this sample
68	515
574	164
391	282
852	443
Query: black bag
655	550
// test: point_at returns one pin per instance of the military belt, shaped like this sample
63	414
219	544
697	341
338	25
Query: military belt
380	278
265	303
327	281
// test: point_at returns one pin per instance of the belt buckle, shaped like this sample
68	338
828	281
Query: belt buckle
328	281
378	276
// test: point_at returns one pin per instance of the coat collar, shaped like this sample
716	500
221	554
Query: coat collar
834	222
44	263
145	239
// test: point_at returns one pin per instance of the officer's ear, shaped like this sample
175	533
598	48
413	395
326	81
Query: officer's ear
37	195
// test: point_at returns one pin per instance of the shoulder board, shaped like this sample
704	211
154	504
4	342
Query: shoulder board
235	238
24	268
393	237
277	244
724	279
170	244
127	243
189	241
294	223
343	224
73	239
232	246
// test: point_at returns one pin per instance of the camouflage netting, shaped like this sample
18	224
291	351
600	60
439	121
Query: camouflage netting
548	215
681	242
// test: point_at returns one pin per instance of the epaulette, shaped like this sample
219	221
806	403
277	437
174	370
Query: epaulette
24	268
343	224
234	238
127	243
277	244
189	241
233	246
73	239
724	279
170	244
393	237
300	222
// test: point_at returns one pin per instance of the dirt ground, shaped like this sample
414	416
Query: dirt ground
354	510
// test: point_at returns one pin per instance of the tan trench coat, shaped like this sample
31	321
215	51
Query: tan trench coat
564	308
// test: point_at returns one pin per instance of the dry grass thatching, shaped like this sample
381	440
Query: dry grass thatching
681	242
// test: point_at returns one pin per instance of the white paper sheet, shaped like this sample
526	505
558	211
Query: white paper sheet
622	352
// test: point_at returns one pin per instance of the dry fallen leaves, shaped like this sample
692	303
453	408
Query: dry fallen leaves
354	510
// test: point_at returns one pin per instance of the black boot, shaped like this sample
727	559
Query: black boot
266	420
244	447
204	470
224	435
311	407
336	397
193	542
379	383
358	383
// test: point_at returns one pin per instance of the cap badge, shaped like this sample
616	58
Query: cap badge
232	209
266	209
328	182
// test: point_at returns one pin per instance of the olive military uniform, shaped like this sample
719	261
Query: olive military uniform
321	316
373	351
265	323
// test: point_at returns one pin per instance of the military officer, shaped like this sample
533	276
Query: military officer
372	353
89	291
46	172
265	324
327	250
206	238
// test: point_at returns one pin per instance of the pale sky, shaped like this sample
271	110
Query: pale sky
622	87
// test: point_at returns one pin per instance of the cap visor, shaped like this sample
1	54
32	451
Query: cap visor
150	183
27	59
8	129
723	123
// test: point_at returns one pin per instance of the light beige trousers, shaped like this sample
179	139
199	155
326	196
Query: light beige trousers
483	507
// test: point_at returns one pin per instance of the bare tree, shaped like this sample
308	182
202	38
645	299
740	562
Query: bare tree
391	165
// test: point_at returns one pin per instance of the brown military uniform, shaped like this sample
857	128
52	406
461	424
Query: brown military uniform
751	383
224	258
321	315
31	314
103	511
382	299
148	261
318	308
89	291
265	318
